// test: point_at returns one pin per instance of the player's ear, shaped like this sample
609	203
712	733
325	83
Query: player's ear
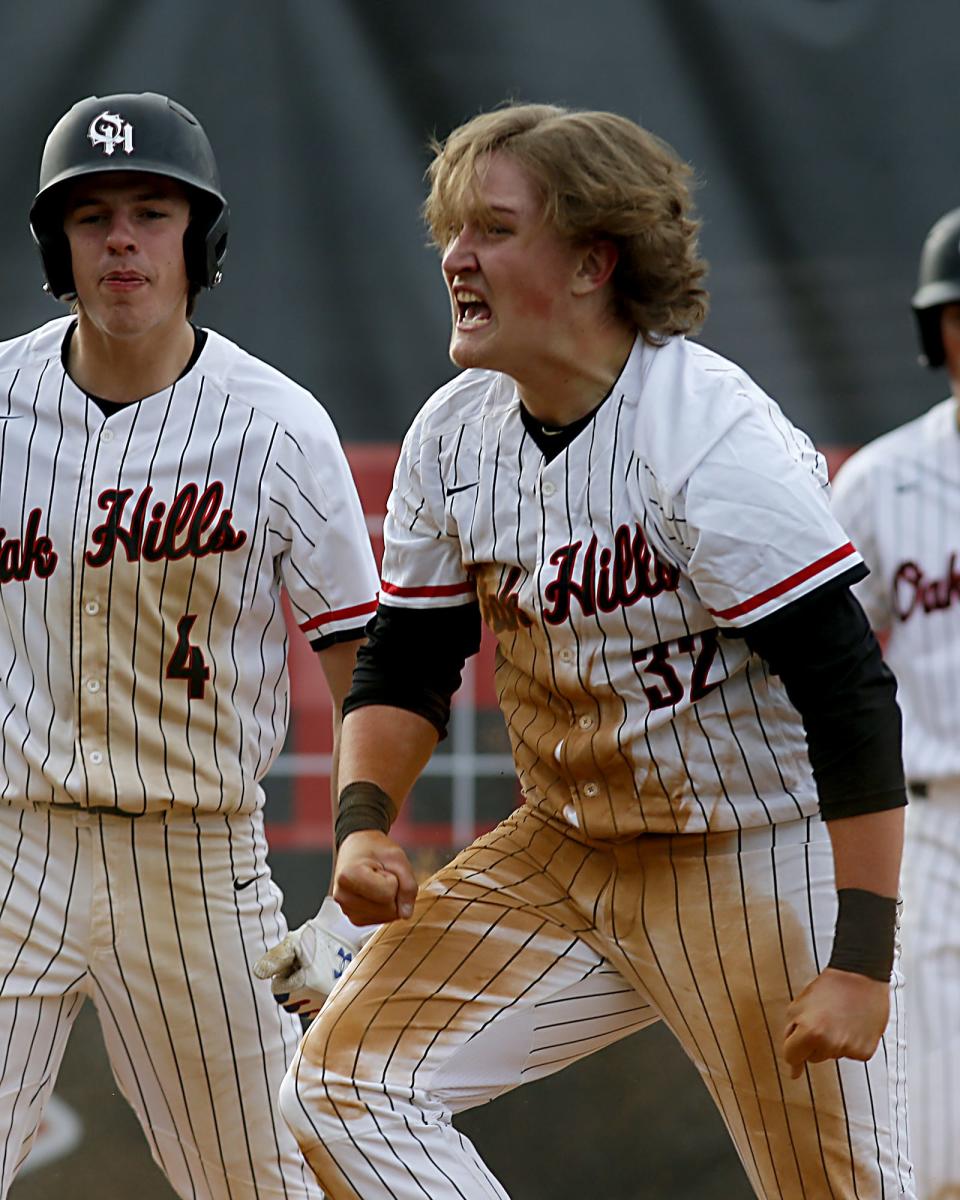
597	262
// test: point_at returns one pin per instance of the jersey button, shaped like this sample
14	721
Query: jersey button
591	789
93	685
106	435
91	608
96	757
566	655
548	488
586	722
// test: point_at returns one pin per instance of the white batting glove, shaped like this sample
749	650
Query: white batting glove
306	965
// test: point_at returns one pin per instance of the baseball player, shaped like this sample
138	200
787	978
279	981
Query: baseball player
685	678
899	498
159	486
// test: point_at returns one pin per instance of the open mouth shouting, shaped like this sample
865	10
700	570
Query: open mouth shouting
473	312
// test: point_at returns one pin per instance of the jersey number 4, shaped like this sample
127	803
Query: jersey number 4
187	661
655	661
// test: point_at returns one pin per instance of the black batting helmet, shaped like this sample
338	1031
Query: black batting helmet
938	283
130	132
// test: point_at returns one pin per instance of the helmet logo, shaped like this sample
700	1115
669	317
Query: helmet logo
110	131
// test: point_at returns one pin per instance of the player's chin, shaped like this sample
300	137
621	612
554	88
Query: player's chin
471	348
123	317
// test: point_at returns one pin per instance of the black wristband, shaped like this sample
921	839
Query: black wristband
363	806
863	941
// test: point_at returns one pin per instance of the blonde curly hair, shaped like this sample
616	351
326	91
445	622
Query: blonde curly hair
600	176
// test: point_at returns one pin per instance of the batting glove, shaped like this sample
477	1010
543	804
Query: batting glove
306	965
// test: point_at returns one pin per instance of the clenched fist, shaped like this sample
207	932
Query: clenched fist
837	1015
373	881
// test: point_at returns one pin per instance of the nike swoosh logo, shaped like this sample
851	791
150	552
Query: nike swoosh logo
10	416
240	884
920	474
463	487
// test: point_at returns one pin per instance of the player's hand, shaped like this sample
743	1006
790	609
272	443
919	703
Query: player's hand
837	1015
373	881
304	967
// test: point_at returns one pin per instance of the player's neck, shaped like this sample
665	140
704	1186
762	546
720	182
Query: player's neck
128	368
558	390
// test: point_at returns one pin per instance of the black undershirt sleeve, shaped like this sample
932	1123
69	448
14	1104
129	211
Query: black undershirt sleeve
825	653
413	659
821	647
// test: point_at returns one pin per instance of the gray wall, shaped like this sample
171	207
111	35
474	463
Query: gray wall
824	133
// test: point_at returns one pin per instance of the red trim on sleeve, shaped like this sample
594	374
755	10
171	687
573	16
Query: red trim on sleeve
340	614
785	585
443	589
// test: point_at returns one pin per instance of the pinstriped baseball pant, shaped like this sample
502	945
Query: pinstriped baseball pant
143	916
931	969
534	948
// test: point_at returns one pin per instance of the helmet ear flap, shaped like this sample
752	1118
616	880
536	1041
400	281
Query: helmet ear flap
931	339
47	229
205	244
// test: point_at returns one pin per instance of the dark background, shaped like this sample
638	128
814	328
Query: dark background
824	134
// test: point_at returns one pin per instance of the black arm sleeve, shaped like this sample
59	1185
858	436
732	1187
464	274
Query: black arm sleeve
413	659
830	663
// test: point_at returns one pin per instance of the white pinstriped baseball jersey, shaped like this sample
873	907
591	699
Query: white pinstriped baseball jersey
899	499
624	542
142	640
